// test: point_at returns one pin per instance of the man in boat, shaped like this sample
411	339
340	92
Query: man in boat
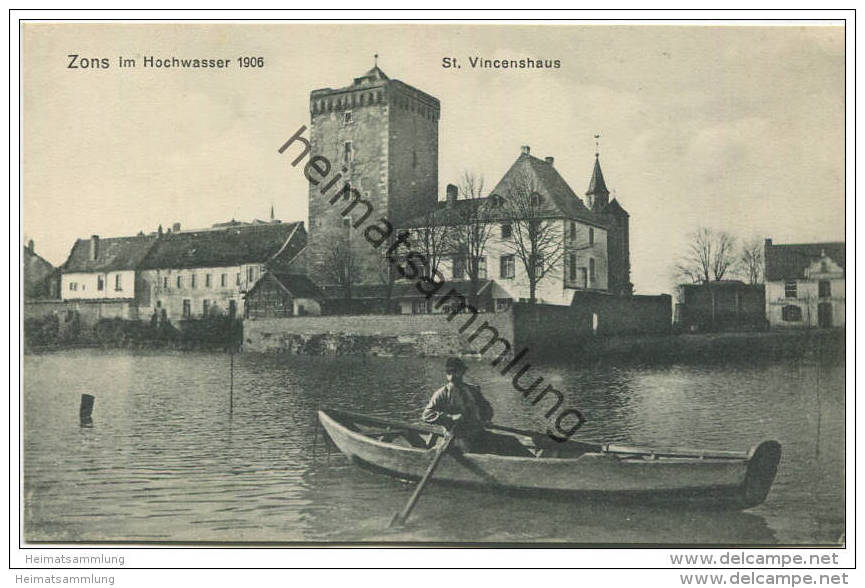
461	407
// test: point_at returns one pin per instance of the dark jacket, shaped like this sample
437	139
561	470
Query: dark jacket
452	399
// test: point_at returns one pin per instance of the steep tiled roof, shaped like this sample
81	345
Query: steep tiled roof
559	201
562	200
787	262
229	246
112	254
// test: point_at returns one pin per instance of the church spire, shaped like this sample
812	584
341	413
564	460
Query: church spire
597	196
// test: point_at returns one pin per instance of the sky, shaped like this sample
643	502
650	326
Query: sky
735	128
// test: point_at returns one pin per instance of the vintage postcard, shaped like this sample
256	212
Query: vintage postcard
434	283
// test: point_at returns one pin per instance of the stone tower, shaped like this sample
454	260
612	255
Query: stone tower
382	136
618	232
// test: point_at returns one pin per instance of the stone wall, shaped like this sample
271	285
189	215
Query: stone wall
89	311
626	315
397	335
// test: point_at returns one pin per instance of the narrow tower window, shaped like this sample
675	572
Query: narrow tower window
347	154
346	117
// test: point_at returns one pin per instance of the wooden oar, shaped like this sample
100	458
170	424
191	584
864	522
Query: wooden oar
400	517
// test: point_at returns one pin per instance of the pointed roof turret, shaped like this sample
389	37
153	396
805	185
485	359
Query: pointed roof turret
597	185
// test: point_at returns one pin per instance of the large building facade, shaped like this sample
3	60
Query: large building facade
380	137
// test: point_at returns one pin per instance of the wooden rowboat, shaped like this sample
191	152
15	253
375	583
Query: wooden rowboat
730	479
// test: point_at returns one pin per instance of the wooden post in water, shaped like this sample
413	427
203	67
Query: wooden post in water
231	385
85	412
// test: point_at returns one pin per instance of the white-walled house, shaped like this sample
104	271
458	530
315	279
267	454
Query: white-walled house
104	268
805	285
583	260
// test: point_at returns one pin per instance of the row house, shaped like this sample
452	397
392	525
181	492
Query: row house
805	284
102	274
206	273
178	274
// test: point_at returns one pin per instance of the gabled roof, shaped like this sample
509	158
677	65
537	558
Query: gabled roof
296	285
112	254
788	262
562	200
228	246
597	184
558	199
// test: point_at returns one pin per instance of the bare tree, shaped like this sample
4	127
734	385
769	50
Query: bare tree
751	260
341	268
536	236
471	231
432	241
710	254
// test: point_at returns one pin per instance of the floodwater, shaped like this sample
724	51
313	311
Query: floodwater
173	456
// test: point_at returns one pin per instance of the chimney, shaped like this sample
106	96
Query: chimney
94	247
452	194
526	149
175	228
159	231
549	159
769	242
30	246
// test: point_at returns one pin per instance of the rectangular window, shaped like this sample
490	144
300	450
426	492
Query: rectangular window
572	266
592	269
346	117
237	279
207	283
347	154
118	284
584	278
192	281
591	236
250	274
459	267
503	304
507	267
187	308
100	283
165	283
179	282
223	280
205	308
824	289
482	267
790	289
73	285
791	313
507	231
573	231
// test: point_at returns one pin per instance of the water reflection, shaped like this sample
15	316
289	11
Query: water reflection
169	460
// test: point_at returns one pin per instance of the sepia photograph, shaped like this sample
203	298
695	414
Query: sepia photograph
408	283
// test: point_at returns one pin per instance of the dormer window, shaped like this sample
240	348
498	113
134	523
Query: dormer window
535	199
507	231
496	201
